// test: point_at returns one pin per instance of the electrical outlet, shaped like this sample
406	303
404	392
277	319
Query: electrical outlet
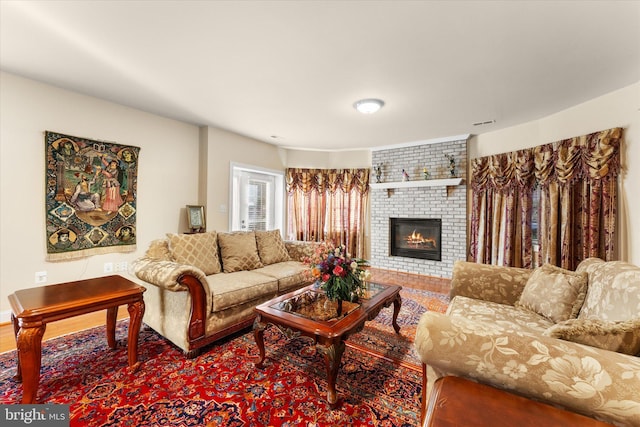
121	266
108	267
41	277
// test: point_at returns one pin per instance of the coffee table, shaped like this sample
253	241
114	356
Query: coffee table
33	308
286	312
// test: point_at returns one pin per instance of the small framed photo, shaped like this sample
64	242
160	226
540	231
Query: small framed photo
195	218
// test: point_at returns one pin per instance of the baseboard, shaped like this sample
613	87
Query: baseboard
5	317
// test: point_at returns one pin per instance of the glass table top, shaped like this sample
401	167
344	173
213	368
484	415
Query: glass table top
313	304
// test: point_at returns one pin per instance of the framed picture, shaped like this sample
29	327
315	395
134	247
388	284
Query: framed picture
195	218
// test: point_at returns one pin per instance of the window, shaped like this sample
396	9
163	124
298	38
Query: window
257	198
535	215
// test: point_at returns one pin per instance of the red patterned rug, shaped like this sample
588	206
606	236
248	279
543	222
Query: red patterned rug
222	387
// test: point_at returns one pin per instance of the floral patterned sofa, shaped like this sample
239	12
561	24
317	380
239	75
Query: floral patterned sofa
202	287
570	339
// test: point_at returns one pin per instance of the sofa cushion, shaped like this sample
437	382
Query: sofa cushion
239	251
621	337
233	289
290	274
199	250
614	290
271	247
159	250
503	316
554	293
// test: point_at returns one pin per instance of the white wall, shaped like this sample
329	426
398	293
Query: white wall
167	175
617	109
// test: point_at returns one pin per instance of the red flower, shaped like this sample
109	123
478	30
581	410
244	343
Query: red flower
325	277
339	271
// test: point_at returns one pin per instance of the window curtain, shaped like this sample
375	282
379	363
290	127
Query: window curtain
329	205
578	202
502	198
578	198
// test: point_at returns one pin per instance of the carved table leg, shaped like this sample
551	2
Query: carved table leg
29	343
258	333
136	311
112	314
332	356
16	328
396	309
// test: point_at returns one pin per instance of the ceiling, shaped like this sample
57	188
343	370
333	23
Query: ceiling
288	73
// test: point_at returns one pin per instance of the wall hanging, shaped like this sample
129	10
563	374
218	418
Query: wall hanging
91	193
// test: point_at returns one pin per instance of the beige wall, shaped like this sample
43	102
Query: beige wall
617	109
329	160
221	148
167	177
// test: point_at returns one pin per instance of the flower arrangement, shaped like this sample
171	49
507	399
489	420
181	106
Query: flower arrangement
340	276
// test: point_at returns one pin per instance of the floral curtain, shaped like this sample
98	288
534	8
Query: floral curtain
578	200
329	205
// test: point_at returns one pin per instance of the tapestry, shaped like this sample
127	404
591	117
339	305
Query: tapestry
91	193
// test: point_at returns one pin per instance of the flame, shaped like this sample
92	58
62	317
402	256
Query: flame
416	239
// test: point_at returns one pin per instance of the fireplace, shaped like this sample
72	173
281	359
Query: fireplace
416	238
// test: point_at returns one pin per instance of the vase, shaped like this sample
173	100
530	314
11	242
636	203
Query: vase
339	309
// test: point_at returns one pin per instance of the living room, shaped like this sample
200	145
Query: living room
186	163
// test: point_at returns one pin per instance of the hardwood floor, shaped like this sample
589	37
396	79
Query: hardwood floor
78	323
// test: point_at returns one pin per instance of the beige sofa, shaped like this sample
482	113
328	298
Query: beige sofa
571	339
202	287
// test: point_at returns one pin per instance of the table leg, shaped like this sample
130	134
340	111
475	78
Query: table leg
332	357
16	328
396	309
29	343
258	334
112	314
136	311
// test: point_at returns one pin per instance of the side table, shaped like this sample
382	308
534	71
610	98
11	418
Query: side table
33	308
457	401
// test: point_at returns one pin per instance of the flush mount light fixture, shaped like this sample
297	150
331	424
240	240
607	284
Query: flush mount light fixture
368	106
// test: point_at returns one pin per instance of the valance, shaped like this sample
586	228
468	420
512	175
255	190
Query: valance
589	157
327	180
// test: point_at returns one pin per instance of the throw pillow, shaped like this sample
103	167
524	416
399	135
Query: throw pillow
554	293
271	247
622	337
239	251
159	249
199	250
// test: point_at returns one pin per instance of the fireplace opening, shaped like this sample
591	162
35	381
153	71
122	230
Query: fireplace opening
416	238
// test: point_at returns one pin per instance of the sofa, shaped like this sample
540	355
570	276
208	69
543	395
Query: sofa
566	338
204	286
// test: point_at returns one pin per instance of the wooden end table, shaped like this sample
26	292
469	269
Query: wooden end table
457	401
329	335
33	308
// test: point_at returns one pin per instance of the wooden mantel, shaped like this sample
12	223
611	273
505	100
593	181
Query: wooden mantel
449	182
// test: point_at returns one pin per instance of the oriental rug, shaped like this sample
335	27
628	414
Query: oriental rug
91	195
222	387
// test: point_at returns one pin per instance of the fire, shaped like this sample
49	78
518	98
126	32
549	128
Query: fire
418	240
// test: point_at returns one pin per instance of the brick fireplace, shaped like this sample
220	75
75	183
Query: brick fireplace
441	198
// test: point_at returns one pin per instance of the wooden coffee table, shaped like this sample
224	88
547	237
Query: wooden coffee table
33	308
329	335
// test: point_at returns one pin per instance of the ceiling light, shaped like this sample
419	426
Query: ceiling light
368	106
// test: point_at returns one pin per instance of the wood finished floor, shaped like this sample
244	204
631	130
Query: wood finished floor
78	323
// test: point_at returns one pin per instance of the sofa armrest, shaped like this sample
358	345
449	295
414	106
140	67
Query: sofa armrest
300	250
583	379
488	282
166	274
